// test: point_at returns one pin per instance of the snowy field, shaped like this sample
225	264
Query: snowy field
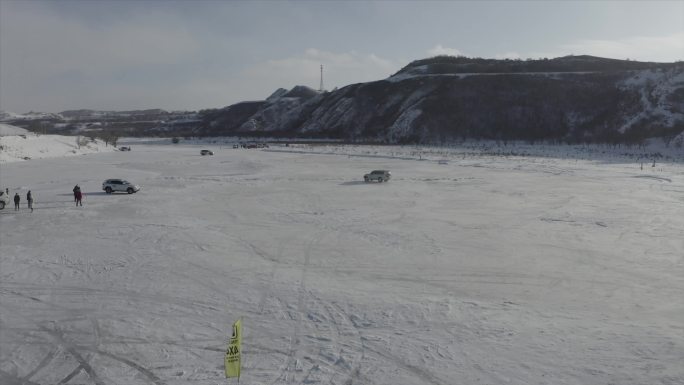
463	269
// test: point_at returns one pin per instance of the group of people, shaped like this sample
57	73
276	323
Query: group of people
17	200
78	197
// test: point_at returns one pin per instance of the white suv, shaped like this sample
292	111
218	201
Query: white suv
379	175
111	185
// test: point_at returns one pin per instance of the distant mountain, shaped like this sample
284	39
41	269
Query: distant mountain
581	63
150	122
440	99
573	98
87	114
8	116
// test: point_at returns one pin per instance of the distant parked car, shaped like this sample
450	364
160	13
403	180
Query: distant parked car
251	145
206	152
378	175
236	145
112	185
4	200
124	149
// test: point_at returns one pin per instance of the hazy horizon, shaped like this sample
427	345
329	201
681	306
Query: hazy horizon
108	55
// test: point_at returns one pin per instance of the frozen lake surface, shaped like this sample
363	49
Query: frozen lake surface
460	270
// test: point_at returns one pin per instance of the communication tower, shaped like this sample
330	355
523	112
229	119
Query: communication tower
321	89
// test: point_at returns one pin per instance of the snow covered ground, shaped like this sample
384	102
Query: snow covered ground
17	144
466	268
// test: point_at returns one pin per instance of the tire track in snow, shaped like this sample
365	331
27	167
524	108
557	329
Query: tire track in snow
334	317
107	293
335	339
146	372
415	370
327	311
71	375
355	367
292	363
73	350
10	379
52	353
83	363
389	357
338	313
268	290
42	364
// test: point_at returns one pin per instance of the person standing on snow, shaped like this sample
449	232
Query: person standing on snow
29	200
76	189
17	199
78	196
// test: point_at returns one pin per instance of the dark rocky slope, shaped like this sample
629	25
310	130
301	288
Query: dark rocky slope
576	98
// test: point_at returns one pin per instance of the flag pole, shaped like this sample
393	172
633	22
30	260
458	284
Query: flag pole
240	357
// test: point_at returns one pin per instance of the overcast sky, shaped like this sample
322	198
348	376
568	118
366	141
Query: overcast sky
189	55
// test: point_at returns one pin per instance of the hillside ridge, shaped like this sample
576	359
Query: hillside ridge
440	99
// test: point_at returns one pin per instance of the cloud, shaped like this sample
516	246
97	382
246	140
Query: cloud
219	89
46	44
439	50
47	59
53	62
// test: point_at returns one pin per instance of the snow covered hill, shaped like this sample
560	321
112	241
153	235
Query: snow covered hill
661	94
17	144
9	130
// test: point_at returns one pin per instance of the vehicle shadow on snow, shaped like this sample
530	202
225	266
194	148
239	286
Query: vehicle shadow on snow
85	193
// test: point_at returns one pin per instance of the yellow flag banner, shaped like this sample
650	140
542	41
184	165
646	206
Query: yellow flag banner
232	359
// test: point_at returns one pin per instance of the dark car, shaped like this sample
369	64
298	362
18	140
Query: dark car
206	152
378	175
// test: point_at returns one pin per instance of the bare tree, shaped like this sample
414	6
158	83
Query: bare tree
81	141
